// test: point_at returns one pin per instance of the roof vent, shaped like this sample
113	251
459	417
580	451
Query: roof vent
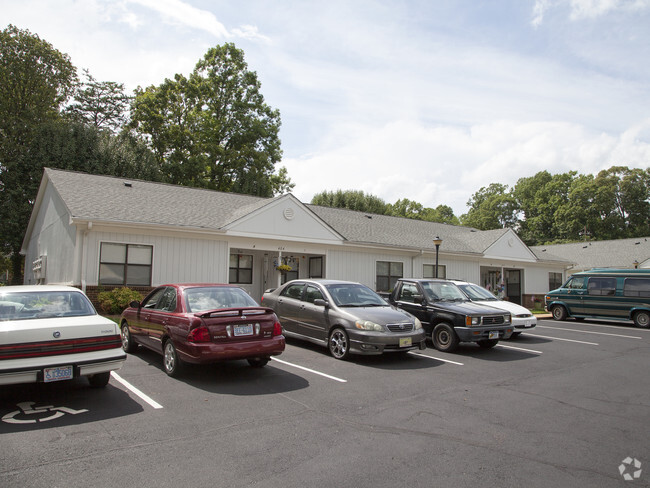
288	213
127	184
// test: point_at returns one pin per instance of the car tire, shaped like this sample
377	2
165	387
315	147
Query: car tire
127	340
558	312
99	380
642	319
171	362
488	343
444	338
258	362
339	344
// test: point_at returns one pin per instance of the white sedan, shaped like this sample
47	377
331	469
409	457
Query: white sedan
53	333
522	318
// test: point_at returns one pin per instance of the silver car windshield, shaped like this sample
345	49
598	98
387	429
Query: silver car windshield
38	305
475	292
354	295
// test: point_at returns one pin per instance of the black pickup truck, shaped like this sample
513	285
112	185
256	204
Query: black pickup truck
448	315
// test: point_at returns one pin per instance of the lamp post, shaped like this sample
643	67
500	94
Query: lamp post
437	241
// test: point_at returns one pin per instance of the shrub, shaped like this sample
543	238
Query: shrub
114	301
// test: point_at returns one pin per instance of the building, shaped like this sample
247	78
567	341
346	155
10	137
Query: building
620	254
98	232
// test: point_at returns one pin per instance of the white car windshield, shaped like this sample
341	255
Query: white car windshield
475	292
45	304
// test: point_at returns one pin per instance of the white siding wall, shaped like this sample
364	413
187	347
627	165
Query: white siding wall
536	279
53	237
175	259
361	266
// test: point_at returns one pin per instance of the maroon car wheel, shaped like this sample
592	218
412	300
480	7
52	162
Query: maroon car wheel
171	361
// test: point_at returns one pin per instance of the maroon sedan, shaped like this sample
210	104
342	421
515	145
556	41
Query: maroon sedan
202	323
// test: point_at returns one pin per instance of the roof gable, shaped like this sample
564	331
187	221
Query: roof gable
283	216
510	246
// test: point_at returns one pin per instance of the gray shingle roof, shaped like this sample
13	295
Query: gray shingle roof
108	198
619	253
113	199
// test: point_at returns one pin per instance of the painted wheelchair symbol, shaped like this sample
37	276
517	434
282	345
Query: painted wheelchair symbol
27	408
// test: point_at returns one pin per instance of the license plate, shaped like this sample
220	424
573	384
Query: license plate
405	342
493	335
244	330
57	374
528	324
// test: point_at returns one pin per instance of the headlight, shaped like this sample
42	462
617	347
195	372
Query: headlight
472	320
418	324
367	325
506	319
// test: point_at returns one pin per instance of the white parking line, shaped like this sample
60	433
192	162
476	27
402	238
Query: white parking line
133	389
560	339
590	332
520	349
310	370
437	359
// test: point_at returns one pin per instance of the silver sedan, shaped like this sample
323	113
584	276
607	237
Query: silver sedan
347	317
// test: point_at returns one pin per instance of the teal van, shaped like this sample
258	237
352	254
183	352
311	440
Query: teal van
615	294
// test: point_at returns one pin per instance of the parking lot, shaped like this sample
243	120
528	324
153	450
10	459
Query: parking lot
567	404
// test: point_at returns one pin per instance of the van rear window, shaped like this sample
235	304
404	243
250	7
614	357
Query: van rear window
637	287
602	286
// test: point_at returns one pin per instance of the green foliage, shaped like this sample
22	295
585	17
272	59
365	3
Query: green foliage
492	207
350	199
113	302
100	104
213	130
35	81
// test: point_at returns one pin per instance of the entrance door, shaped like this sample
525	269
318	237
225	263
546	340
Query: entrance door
513	286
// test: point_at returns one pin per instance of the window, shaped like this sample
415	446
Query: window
554	281
316	267
636	287
576	283
409	293
293	291
601	286
241	269
429	271
312	294
125	264
290	275
387	274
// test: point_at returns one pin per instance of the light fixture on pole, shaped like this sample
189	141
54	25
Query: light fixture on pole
437	241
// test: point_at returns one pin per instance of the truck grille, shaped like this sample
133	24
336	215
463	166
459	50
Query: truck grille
400	327
496	320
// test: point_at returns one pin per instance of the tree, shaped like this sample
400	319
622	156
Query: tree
350	199
443	214
492	207
103	105
213	130
35	81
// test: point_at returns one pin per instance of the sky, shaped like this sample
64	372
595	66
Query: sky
429	100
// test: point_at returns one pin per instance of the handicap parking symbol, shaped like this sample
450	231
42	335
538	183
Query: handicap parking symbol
28	409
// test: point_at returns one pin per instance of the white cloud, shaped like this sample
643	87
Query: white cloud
587	9
183	13
442	165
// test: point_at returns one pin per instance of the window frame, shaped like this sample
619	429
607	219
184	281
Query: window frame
390	278
239	269
125	265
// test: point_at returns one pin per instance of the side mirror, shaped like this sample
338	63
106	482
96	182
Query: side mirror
134	304
321	303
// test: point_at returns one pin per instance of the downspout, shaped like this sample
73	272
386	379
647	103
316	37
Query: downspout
84	253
